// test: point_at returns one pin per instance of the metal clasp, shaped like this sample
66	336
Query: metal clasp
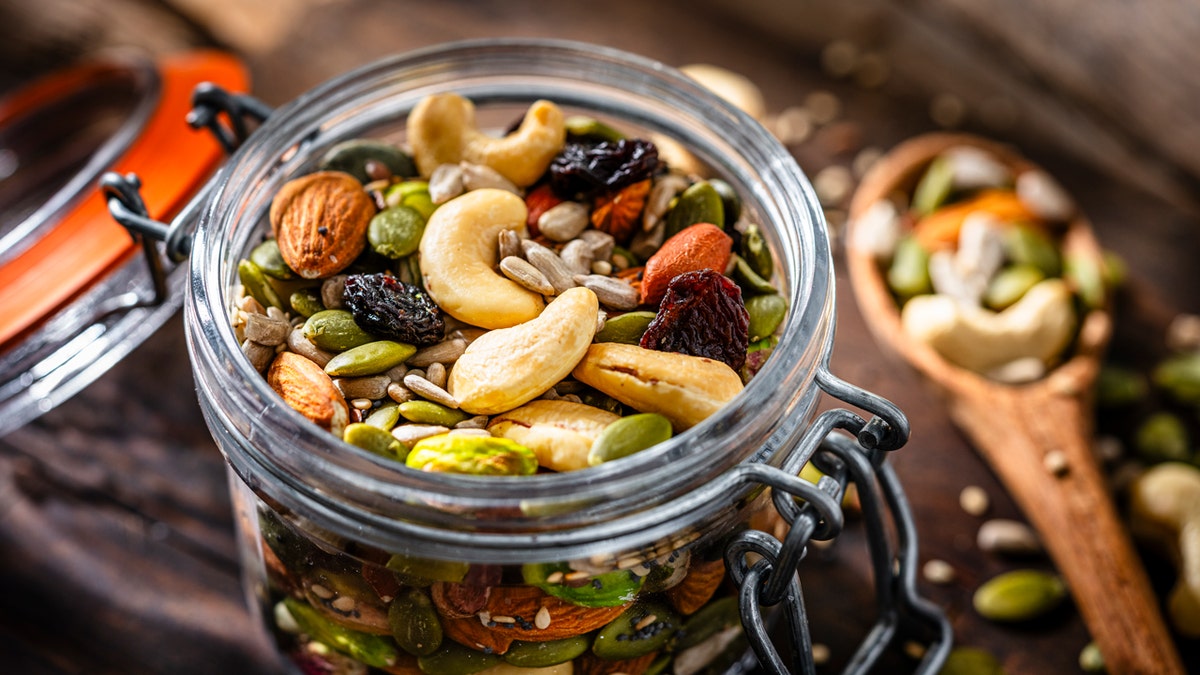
814	513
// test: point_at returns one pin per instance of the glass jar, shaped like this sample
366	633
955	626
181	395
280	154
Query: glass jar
356	562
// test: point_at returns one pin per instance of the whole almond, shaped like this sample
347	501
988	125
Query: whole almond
697	247
305	387
698	587
320	221
511	614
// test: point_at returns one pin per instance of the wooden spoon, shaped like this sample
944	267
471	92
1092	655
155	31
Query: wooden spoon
1036	436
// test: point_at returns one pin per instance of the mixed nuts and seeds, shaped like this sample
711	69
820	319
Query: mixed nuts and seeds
549	300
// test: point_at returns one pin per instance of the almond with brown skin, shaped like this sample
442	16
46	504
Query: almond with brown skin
512	613
590	664
702	580
320	222
700	246
305	387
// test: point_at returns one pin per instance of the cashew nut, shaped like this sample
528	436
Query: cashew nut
458	259
559	432
684	389
505	368
442	130
1165	504
1040	324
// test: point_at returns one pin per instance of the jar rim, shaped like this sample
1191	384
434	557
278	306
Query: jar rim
267	442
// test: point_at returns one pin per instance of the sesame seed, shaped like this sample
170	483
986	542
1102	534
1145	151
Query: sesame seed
938	571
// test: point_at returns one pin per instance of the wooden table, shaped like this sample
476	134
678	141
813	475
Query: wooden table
116	545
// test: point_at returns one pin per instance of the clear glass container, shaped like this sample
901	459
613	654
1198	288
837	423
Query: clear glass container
362	553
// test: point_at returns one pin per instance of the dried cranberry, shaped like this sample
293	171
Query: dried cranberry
702	315
590	169
384	305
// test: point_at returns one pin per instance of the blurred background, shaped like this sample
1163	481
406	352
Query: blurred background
116	547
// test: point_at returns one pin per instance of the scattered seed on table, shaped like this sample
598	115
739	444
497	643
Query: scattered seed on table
820	653
938	572
1056	462
974	500
1007	537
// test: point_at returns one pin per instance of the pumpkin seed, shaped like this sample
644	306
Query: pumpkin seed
1180	377
1028	244
700	203
428	412
908	275
766	313
374	440
352	157
709	620
396	232
268	258
610	589
626	328
414	621
371	358
591	128
479	455
545	654
1010	285
384	417
455	659
1019	595
643	628
306	301
749	280
753	249
334	330
422	572
971	661
934	187
629	435
1087	278
374	650
257	285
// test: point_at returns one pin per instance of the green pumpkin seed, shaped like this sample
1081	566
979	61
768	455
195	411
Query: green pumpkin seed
610	589
934	187
1091	660
546	654
478	455
369	359
629	435
1179	376
731	203
1019	595
257	285
413	194
748	279
455	659
415	624
306	301
374	650
591	128
755	252
1162	437
428	412
396	232
626	328
352	157
908	275
709	620
268	258
334	330
1010	285
700	203
766	313
659	664
374	440
1087	278
971	661
384	417
1118	386
1027	244
643	628
422	572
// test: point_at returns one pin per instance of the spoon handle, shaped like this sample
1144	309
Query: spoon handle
1037	440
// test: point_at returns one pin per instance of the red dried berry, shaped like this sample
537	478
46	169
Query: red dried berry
702	315
384	305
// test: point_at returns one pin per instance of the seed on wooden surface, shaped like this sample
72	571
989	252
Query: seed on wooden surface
974	500
1056	462
938	572
1007	537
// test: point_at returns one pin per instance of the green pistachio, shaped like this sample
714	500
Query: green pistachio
396	232
626	328
479	455
334	330
413	194
591	128
369	359
971	661
1019	595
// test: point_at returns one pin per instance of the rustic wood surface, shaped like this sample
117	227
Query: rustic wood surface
116	545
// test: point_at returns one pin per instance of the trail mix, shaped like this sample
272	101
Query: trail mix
545	301
975	257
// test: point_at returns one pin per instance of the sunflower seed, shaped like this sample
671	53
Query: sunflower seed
525	274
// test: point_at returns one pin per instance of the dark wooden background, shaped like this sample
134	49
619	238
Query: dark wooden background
116	545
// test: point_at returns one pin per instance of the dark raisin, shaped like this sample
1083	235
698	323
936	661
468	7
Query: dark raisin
589	169
702	315
384	305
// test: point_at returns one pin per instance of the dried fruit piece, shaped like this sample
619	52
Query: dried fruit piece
386	306
586	169
538	201
703	246
320	221
619	213
701	315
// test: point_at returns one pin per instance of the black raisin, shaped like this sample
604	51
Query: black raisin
384	305
590	169
702	315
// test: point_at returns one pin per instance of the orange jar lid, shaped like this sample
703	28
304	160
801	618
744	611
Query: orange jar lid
53	147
